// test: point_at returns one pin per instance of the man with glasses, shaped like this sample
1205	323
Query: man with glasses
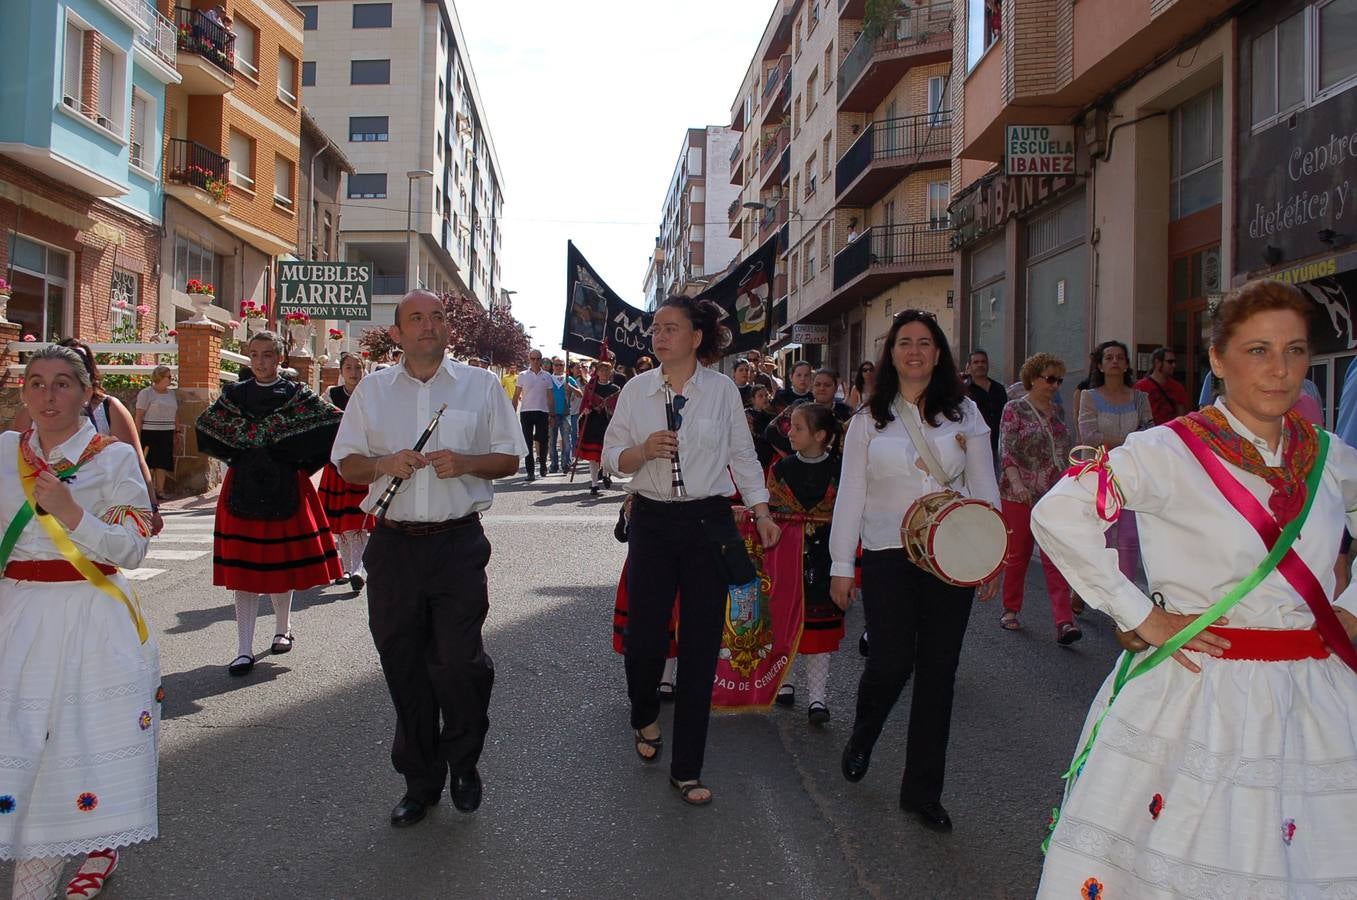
532	396
1168	397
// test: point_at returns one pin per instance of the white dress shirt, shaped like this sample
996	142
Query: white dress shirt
390	409
1195	546
109	479
714	438
537	391
880	480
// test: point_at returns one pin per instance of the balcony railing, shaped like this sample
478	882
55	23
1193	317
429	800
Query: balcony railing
735	153
897	140
910	26
774	79
189	162
199	34
733	211
154	32
918	243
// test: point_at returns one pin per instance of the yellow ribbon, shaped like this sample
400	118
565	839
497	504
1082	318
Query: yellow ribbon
72	554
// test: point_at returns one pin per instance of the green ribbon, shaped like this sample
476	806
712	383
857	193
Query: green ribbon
1126	674
21	520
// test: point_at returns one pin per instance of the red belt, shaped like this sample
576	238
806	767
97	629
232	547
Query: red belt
49	570
1269	645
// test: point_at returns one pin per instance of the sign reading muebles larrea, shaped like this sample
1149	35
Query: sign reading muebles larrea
325	290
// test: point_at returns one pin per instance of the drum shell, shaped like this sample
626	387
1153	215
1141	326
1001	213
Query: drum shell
918	531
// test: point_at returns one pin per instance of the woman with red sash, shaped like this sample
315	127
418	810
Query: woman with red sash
79	671
1220	758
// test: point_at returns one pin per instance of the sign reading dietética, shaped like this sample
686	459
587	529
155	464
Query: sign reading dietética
325	290
810	334
1039	150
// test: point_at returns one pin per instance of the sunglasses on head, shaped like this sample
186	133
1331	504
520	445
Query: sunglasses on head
915	314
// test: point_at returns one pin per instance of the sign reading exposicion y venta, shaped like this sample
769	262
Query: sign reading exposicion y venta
326	290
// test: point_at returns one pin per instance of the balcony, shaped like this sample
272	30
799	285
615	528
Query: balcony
916	36
777	93
887	151
207	59
737	165
885	255
197	176
772	218
775	145
734	218
154	33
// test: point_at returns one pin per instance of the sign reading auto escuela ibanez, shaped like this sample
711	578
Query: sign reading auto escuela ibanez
325	290
1039	150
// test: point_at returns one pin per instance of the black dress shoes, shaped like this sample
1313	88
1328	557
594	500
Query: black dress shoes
931	814
412	809
466	791
855	762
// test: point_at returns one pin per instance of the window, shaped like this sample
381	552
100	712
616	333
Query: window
106	69
797	38
247	49
796	191
38	277
796	115
242	160
308	74
812	176
372	15
123	294
812	99
368	128
984	19
937	100
1278	68
814	14
71	65
142	131
282	181
367	187
793	281
809	258
1304	59
824	242
308	18
1195	155
824	155
370	71
829	65
939	198
1337	21
287	79
194	261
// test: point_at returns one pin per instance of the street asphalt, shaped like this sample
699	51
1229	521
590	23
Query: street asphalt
279	784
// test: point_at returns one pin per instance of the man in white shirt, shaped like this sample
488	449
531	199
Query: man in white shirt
533	397
427	596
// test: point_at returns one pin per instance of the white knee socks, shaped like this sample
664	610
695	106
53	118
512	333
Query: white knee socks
282	612
594	469
247	611
670	667
354	544
36	879
817	676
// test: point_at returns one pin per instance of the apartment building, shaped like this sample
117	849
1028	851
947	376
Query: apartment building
320	181
82	83
233	127
394	84
845	157
694	241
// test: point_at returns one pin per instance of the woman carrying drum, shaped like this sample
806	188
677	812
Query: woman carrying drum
916	619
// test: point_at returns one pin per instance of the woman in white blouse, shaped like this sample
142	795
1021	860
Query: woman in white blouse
79	673
917	621
675	544
1229	770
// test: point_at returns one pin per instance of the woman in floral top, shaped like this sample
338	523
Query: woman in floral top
1034	447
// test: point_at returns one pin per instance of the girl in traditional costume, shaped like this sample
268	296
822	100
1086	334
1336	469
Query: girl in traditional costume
600	400
802	487
1220	758
79	674
343	500
271	535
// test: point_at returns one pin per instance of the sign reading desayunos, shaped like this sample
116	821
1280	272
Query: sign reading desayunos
325	290
810	334
1039	150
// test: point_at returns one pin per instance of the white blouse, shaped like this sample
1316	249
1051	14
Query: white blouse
1194	544
880	478
109	480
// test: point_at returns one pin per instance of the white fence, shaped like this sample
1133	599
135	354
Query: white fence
170	348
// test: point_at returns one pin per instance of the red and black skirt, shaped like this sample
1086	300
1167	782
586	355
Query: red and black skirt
272	556
343	502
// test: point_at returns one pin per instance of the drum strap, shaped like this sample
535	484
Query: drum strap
910	420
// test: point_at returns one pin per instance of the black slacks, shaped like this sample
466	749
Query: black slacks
534	426
917	624
427	601
669	551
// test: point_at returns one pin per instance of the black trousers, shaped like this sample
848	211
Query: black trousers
668	552
427	601
535	434
917	624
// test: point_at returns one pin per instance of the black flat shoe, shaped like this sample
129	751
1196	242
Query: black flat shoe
818	714
341	579
241	665
356	582
862	645
607	482
931	814
855	762
411	810
593	490
786	696
665	692
282	643
466	791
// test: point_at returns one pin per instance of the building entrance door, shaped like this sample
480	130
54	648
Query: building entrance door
1195	284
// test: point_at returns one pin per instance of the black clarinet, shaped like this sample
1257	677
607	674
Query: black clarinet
671	422
390	493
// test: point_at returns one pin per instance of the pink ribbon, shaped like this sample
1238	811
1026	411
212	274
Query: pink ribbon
1109	498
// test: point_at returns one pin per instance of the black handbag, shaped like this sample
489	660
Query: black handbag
731	554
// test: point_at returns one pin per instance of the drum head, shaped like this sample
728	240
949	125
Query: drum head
969	542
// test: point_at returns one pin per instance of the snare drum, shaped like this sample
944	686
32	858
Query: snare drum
957	539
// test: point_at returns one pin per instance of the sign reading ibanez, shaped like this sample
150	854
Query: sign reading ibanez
325	290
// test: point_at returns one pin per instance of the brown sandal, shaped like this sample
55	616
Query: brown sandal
686	789
1009	621
656	743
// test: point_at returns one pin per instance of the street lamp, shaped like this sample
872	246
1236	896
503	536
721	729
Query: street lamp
410	218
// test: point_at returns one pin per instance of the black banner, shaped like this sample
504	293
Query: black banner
595	316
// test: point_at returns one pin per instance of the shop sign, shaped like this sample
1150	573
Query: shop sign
325	290
810	334
1039	150
991	203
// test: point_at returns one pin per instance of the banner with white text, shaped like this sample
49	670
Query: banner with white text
325	290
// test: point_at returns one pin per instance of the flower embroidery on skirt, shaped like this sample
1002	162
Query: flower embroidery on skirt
144	720
1288	831
7	804
1093	890
86	802
1156	806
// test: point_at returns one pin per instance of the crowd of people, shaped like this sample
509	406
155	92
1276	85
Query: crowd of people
1183	526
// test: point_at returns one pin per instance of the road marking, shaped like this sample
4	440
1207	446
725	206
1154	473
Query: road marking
141	574
174	554
166	537
550	519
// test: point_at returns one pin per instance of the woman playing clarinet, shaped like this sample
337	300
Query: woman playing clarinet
686	544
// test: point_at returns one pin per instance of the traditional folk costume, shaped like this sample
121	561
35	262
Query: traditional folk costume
79	672
343	504
804	489
271	535
598	405
1240	781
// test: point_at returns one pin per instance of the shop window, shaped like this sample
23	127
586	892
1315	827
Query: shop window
38	281
193	260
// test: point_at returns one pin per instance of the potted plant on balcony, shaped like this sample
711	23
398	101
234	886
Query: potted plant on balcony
4	298
201	295
204	178
253	314
299	330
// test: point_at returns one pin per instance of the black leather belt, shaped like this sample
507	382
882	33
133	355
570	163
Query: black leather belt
420	529
695	507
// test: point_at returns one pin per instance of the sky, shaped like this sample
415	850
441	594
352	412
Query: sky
587	104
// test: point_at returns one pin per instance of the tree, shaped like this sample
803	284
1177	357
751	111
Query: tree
495	336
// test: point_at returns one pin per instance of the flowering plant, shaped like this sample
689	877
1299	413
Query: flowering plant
251	310
30	338
4	287
143	309
297	318
172	333
336	334
205	179
195	286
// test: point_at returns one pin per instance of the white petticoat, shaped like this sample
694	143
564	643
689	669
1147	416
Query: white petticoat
79	722
1237	783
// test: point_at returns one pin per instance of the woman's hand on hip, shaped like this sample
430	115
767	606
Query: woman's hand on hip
1161	625
1348	621
841	591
